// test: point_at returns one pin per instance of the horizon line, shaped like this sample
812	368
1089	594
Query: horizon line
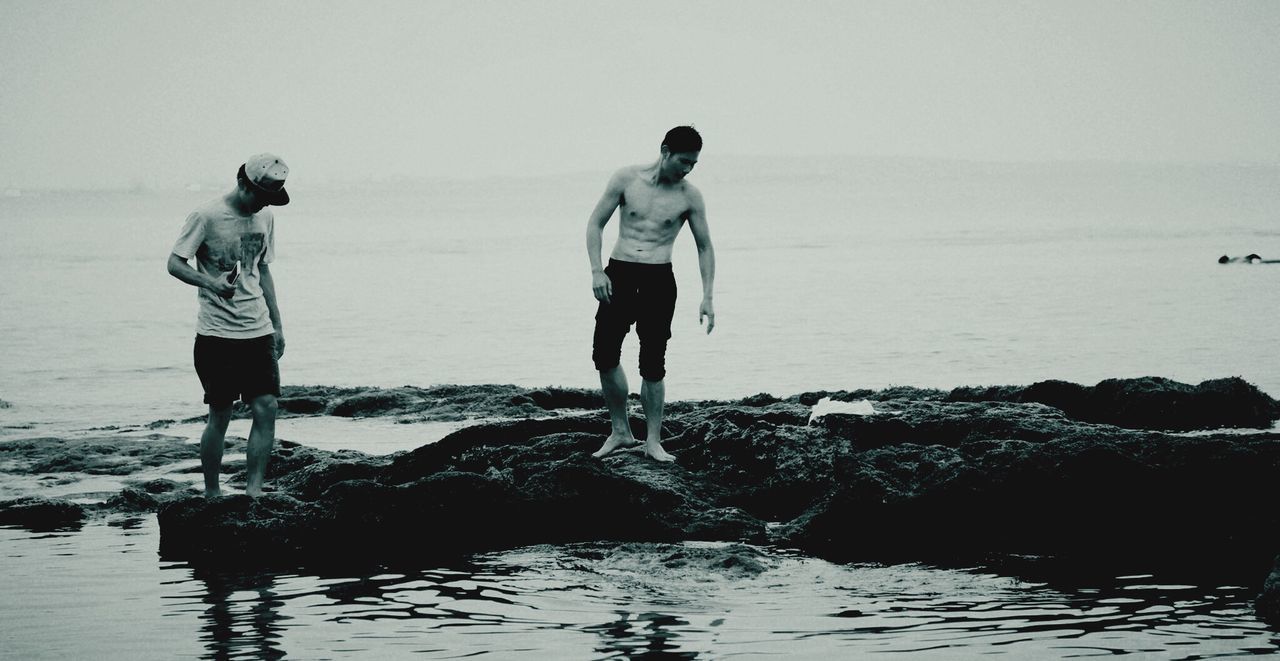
330	183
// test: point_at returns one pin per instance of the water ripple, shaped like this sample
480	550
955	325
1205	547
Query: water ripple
596	601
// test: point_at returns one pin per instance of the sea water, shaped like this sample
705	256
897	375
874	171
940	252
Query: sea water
101	593
830	274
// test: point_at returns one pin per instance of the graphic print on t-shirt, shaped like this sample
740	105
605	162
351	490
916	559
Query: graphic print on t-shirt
250	247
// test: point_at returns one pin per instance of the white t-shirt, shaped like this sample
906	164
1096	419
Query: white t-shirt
218	237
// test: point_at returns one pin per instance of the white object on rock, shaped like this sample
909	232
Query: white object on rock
825	406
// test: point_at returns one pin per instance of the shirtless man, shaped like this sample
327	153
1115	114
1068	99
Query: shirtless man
638	285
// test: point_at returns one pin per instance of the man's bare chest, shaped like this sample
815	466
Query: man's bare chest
644	203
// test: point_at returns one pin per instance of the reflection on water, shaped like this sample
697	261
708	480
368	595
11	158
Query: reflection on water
243	617
641	635
102	593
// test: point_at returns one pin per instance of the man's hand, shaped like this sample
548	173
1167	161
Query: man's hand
707	312
601	286
279	343
221	287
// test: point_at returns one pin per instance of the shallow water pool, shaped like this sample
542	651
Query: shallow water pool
103	592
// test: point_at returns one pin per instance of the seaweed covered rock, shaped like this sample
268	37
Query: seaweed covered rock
1145	403
920	475
443	402
1267	604
925	471
41	514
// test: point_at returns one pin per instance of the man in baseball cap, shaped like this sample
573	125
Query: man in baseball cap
239	335
265	175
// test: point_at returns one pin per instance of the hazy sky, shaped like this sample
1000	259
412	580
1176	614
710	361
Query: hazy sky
114	93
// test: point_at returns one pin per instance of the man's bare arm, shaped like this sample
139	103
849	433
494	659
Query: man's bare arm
273	309
182	270
609	201
706	256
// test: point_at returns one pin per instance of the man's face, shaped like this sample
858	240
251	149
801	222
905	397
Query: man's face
259	202
680	164
254	199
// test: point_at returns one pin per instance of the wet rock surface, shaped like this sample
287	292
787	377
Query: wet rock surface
102	455
1046	469
1146	403
41	514
1268	601
1028	470
437	403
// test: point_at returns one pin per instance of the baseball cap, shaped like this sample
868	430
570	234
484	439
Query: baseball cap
266	173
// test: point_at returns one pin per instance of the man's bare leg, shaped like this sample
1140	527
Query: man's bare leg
653	395
261	437
613	384
211	441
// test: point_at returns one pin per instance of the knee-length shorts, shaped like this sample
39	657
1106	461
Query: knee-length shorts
231	369
643	294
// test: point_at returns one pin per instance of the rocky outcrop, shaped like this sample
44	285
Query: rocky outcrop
102	455
1083	473
445	402
456	497
929	474
1267	604
41	514
1146	403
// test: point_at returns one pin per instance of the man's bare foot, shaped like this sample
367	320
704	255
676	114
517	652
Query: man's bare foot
216	493
655	452
259	491
613	444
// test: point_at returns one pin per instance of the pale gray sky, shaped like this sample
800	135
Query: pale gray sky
115	93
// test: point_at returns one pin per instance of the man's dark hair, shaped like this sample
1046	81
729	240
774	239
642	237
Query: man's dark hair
682	139
243	179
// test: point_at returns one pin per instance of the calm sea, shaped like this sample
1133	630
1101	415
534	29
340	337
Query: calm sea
831	273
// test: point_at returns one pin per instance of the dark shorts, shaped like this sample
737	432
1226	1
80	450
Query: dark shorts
643	294
236	369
